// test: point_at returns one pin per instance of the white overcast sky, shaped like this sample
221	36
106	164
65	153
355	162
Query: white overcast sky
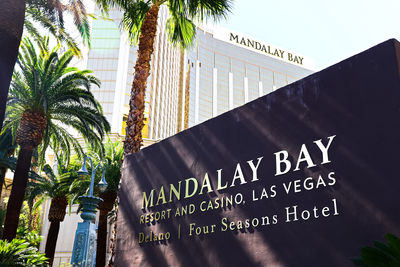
326	31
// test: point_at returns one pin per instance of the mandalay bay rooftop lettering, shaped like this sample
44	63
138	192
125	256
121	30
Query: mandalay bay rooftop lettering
191	186
266	49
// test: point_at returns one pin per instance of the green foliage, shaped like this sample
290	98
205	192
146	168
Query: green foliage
23	225
55	184
133	17
31	237
23	220
33	14
180	26
19	253
381	255
44	82
79	186
50	15
112	161
181	30
114	153
34	239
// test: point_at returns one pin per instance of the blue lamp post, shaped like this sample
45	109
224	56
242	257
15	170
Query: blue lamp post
85	236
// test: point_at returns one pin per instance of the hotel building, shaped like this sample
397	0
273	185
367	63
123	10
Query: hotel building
221	71
227	69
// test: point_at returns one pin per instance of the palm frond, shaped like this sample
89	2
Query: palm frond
183	13
181	30
80	17
133	17
50	15
203	9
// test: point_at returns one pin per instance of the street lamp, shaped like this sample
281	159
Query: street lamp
85	236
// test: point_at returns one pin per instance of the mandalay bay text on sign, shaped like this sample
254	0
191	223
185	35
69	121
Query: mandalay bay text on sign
217	181
259	46
267	49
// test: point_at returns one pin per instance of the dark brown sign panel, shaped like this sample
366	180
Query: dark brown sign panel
304	176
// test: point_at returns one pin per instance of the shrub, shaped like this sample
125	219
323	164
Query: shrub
381	255
18	253
32	238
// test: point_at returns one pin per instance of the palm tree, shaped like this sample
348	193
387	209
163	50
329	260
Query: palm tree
112	161
50	14
57	188
140	20
46	97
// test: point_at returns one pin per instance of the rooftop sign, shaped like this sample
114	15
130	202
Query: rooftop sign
262	47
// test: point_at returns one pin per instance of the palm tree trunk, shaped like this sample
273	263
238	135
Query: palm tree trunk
29	135
12	14
51	241
105	207
56	215
102	239
135	122
17	193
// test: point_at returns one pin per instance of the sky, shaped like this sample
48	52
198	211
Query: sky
326	31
